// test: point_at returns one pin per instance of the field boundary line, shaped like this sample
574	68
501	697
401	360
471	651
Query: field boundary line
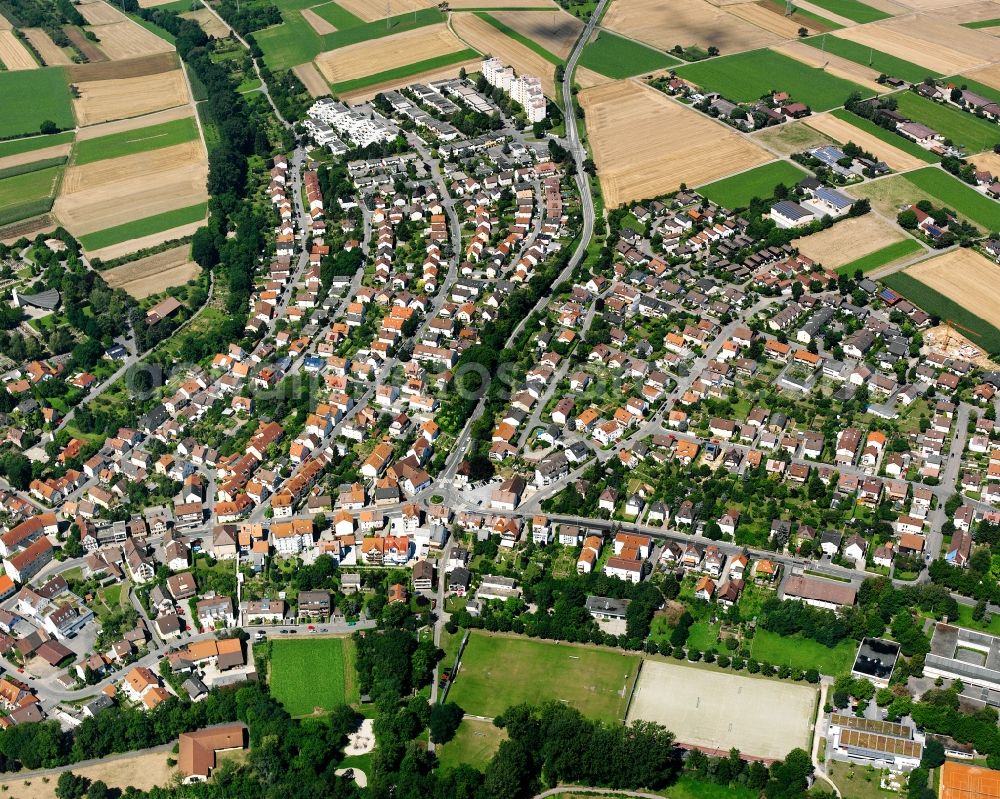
631	693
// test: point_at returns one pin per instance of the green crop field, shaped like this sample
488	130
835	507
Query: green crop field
520	38
617	57
313	673
951	192
339	17
877	60
979	331
18	146
497	672
982	23
852	9
141	140
804	653
897	141
295	41
32	96
964	129
978	88
406	71
738	190
29	186
881	257
143	227
748	76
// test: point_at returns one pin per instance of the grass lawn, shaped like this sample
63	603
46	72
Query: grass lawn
738	190
703	636
981	332
531	44
497	672
887	136
339	17
857	781
804	653
965	620
313	673
852	9
405	71
18	146
881	257
748	76
144	227
31	97
142	140
474	744
688	788
966	130
869	57
955	194
617	57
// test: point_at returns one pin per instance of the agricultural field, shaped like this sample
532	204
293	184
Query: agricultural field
899	153
118	36
965	277
748	76
771	18
295	666
368	11
25	159
14	147
889	195
987	77
27	194
921	40
31	97
852	9
696	704
884	256
792	137
550	34
684	22
463	5
335	15
105	100
950	191
646	144
832	64
154	273
497	672
475	742
209	22
964	129
142	232
849	240
486	38
51	54
737	191
428	69
615	57
13	54
155	137
870	57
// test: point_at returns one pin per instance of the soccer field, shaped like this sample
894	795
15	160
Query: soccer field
715	710
313	673
497	672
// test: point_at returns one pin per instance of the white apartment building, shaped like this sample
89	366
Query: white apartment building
526	90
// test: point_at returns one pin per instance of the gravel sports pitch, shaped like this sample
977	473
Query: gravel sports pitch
715	710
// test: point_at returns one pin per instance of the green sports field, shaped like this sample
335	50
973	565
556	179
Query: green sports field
748	76
497	672
950	191
897	141
803	653
617	57
143	227
964	129
881	257
141	140
313	673
18	146
879	61
852	9
32	96
978	330
738	190
399	73
520	38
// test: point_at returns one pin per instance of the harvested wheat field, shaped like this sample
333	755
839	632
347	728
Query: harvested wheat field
94	54
473	4
685	22
444	73
311	79
100	13
15	55
965	276
556	31
987	162
209	22
791	137
848	240
482	36
31	156
765	18
320	25
52	55
107	193
843	132
104	100
142	770
155	273
974	11
834	64
5	23
132	68
989	75
142	242
919	38
390	52
133	123
585	78
370	10
126	39
646	144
